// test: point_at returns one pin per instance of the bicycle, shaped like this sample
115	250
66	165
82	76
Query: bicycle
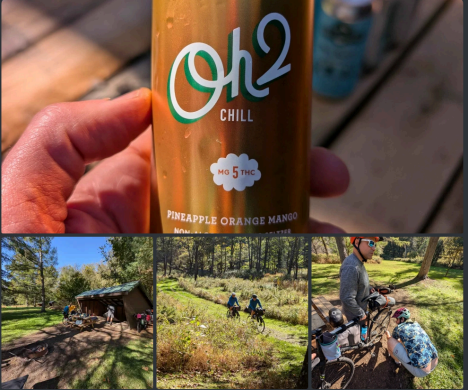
234	313
338	373
258	320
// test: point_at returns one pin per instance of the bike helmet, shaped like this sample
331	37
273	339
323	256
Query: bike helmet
353	241
233	293
254	295
402	313
336	317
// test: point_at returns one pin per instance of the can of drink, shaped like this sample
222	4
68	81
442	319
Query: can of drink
342	32
376	43
232	98
404	14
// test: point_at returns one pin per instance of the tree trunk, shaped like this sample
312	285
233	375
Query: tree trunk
165	255
196	261
240	256
341	248
325	246
41	268
266	254
426	264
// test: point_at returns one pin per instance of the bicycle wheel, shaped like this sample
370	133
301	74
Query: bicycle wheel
228	314
236	315
260	324
379	324
338	374
65	321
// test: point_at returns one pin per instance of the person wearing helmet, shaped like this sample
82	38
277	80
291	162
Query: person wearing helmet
232	301
354	280
254	302
410	345
350	336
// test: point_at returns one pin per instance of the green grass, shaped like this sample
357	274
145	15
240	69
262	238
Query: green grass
282	371
172	286
21	321
439	304
117	367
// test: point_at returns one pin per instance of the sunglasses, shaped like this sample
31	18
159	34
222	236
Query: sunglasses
370	243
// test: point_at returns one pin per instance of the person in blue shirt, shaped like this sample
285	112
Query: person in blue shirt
410	345
66	311
232	301
254	302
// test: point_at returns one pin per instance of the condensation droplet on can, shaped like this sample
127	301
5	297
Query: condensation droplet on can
170	22
164	174
187	133
218	141
183	169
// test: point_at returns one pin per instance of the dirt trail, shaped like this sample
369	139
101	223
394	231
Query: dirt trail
65	346
274	328
379	371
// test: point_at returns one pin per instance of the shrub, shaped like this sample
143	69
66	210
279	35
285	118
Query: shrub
323	258
284	299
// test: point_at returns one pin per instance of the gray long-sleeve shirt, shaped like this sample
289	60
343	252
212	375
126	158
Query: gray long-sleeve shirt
354	285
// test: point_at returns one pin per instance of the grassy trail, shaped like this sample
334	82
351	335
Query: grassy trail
295	334
289	342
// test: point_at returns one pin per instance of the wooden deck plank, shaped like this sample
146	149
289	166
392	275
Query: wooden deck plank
406	144
65	65
450	217
25	22
317	321
327	114
135	76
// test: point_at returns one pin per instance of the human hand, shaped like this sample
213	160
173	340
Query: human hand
363	318
388	334
44	189
372	290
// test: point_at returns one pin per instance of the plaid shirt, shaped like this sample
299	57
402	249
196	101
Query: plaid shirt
417	343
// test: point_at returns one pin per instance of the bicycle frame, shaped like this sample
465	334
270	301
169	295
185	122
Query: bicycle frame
318	333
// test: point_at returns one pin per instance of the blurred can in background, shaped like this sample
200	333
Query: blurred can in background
342	31
232	98
405	11
377	41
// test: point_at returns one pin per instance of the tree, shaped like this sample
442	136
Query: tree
129	259
30	256
341	248
454	250
427	261
71	283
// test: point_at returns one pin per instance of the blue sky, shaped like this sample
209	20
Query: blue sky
78	250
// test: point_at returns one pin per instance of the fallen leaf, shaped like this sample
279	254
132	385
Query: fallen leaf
145	368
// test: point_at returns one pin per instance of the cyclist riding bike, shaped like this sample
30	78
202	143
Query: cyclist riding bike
254	302
232	301
411	346
354	280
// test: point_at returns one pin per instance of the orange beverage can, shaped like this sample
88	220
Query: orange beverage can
232	92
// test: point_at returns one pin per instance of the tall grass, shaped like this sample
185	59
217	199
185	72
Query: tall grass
189	340
284	299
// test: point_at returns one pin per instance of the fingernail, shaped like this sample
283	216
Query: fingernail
130	95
